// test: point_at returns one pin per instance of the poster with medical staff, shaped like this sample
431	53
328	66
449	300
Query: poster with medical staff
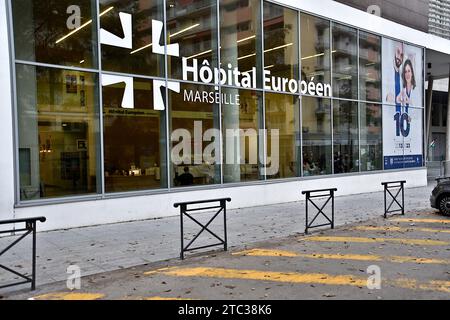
402	105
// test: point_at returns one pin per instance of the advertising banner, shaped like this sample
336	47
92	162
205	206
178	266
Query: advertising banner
402	105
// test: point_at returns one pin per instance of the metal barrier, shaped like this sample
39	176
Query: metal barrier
388	186
185	211
29	228
311	194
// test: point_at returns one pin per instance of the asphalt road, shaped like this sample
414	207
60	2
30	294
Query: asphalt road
409	254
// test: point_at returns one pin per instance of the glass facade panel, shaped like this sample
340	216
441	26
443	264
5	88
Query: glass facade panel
280	43
345	62
370	67
315	46
193	25
241	122
283	136
155	138
134	139
58	132
316	119
346	136
371	137
139	59
195	135
56	32
240	32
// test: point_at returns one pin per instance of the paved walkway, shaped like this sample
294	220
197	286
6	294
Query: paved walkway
405	258
113	247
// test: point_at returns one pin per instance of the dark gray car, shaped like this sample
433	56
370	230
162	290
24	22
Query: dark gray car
440	197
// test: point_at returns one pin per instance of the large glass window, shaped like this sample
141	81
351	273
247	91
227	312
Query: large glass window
240	31
241	122
135	147
345	136
395	127
209	134
371	137
195	135
316	119
280	43
139	59
283	132
370	67
56	31
315	45
58	132
193	25
345	62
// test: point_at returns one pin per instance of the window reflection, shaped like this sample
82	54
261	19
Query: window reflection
45	32
58	132
195	148
242	142
345	62
135	148
280	41
193	25
346	137
371	137
315	45
139	59
370	67
316	118
240	32
283	114
58	111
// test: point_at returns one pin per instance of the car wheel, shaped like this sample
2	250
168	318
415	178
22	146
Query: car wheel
444	205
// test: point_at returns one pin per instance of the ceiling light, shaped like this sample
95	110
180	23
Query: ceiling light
82	27
170	36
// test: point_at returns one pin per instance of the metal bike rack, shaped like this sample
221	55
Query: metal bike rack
315	194
185	210
394	185
29	228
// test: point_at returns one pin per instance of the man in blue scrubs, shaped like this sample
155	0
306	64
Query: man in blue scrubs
398	62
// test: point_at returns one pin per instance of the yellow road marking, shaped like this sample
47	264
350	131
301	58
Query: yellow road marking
299	278
156	271
402	259
69	296
422	242
165	299
266	253
422	220
338	256
398	229
443	286
290	277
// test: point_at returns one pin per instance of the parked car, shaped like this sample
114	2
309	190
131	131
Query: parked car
440	197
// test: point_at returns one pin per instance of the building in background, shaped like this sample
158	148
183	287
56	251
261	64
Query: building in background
431	16
439	18
411	13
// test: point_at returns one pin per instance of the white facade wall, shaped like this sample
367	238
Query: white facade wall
156	206
6	122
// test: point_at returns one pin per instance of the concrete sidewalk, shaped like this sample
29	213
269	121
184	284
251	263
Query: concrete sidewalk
111	247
